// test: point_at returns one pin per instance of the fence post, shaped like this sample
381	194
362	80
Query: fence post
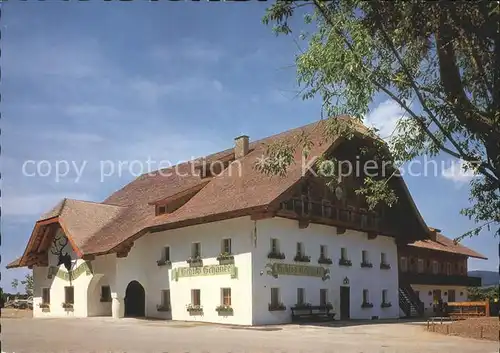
481	332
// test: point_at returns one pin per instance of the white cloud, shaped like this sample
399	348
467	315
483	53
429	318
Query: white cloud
457	172
385	118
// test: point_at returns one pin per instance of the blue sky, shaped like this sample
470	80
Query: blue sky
167	80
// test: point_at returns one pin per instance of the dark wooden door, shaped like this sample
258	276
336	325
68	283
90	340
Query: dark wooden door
451	295
345	297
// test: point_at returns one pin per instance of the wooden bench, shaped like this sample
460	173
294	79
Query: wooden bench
312	313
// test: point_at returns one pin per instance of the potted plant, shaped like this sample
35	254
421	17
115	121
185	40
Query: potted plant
276	255
162	308
225	258
67	306
44	305
194	309
367	305
163	262
276	307
325	261
302	258
366	265
384	266
224	309
385	305
345	262
195	260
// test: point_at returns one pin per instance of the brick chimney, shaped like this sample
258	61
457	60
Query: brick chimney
241	144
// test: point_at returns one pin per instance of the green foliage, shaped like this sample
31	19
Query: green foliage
28	284
482	294
438	60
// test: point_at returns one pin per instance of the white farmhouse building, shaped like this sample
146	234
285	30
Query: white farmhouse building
216	240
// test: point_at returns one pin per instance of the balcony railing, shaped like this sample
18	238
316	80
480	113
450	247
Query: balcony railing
305	207
441	279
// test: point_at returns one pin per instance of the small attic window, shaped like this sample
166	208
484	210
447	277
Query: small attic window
161	210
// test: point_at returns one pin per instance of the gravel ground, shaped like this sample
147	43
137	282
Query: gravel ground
50	335
486	328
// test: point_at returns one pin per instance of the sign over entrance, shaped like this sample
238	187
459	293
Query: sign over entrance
276	269
84	267
210	270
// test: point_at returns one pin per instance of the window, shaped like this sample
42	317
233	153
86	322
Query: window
420	267
300	249
165	299
196	250
451	295
435	267
275	245
327	209
383	258
275	297
364	256
166	253
162	209
384	296
105	294
323	251
417	293
195	297
404	264
226	296
366	298
448	268
323	296
69	295
301	292
226	246
45	295
343	253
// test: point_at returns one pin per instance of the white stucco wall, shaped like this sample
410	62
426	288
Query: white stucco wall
427	299
374	279
140	265
56	285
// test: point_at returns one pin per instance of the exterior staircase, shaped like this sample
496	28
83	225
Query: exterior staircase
409	302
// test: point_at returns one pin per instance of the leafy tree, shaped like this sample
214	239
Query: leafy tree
28	284
438	60
14	284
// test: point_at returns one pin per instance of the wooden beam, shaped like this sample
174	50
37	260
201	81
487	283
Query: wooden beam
88	257
372	235
340	230
303	223
262	215
124	250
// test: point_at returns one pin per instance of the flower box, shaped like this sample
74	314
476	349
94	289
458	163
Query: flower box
194	309
67	306
345	262
164	262
225	258
162	308
302	258
366	265
105	300
277	307
385	305
367	305
195	261
385	266
276	255
44	305
224	309
325	261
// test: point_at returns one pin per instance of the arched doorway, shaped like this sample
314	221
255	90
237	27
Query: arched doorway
135	299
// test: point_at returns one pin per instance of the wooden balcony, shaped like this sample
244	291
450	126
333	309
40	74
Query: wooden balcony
439	279
323	212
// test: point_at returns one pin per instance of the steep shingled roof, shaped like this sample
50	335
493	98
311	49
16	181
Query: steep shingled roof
446	244
99	228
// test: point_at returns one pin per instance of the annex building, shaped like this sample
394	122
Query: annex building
229	244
